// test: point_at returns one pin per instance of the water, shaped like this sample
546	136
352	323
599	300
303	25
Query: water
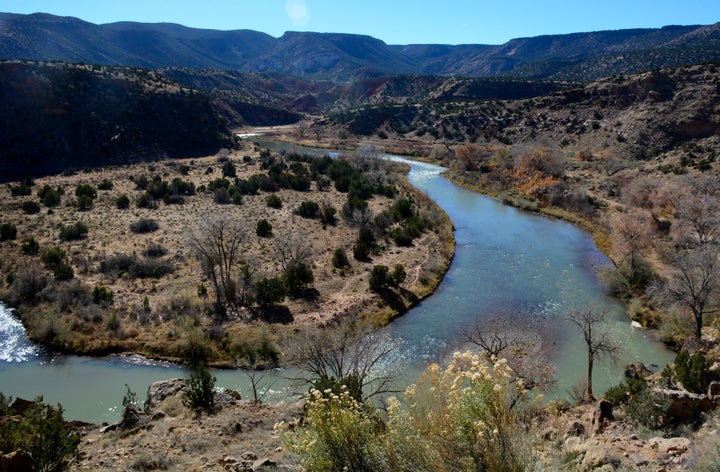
526	269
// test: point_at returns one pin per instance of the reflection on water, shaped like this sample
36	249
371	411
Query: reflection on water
527	270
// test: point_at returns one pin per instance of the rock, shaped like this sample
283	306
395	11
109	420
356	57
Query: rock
248	456
159	391
673	447
260	464
636	370
18	461
576	429
685	405
603	415
132	418
714	389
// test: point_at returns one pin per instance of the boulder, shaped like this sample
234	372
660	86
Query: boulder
18	461
685	405
603	415
636	370
159	391
714	389
132	418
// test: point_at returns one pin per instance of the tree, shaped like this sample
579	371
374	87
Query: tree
350	354
365	154
263	228
41	431
597	340
199	394
694	283
218	247
293	249
297	277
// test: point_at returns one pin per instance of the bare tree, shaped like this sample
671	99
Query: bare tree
293	249
521	350
218	247
366	153
698	215
695	283
350	352
632	233
597	339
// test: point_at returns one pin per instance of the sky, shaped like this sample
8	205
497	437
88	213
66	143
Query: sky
393	21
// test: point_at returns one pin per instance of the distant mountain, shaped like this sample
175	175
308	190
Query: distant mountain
346	57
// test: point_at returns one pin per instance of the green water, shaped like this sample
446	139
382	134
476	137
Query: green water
528	270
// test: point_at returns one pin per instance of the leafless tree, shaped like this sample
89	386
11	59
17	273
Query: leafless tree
348	351
293	249
698	215
596	337
632	233
518	348
218	246
694	283
366	153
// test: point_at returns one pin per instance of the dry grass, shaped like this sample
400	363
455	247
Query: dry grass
148	321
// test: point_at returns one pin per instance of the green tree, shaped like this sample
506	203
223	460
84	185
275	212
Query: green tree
40	431
8	232
263	228
199	394
297	276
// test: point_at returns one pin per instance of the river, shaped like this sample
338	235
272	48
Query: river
530	270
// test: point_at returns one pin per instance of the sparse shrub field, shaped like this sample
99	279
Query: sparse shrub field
125	246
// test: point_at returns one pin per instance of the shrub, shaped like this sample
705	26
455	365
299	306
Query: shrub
116	264
273	201
64	272
53	257
145	200
106	184
308	209
361	251
150	268
221	196
30	246
263	228
31	207
20	190
73	232
42	432
297	277
102	294
379	278
269	291
122	202
184	169
340	258
154	251
199	393
328	213
49	196
694	372
228	169
8	232
85	190
466	417
144	225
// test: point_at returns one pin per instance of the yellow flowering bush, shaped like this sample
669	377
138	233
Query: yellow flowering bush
341	434
463	418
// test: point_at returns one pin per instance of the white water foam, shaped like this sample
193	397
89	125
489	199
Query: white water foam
14	344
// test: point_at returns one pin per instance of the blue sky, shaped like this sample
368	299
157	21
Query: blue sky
393	21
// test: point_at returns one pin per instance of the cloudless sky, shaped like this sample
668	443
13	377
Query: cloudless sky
393	21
